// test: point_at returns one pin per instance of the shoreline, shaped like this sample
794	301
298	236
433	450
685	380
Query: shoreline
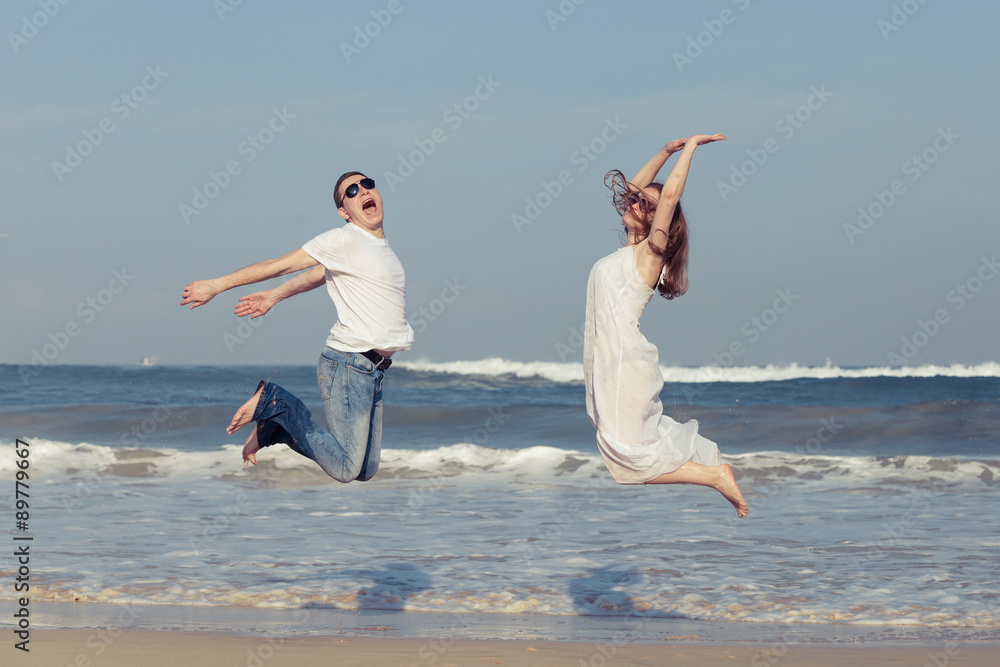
319	622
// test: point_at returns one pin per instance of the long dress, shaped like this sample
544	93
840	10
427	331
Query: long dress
622	374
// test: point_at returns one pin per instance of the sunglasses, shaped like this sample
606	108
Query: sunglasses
352	189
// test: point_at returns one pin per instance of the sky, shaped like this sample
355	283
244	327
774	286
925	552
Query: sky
849	217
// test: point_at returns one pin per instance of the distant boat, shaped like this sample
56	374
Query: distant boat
148	361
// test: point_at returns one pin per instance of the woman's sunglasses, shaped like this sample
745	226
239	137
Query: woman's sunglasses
352	189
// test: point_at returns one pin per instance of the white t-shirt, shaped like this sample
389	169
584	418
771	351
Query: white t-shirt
368	285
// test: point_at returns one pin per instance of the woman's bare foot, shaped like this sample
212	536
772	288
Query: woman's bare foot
251	448
728	488
244	415
719	477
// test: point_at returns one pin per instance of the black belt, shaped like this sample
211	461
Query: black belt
380	362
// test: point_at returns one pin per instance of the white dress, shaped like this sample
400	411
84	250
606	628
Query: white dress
622	374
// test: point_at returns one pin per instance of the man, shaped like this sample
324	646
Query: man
367	284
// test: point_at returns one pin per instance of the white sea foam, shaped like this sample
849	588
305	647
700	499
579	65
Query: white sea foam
572	372
83	461
464	528
555	371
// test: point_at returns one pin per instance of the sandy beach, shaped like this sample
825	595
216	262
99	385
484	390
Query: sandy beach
85	648
87	635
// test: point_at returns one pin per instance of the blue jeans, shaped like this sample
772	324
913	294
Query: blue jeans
351	389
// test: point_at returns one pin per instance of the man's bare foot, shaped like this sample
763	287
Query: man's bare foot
728	488
244	415
251	448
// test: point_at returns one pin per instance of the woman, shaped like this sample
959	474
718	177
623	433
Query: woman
639	444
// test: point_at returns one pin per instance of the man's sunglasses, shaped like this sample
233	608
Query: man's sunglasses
352	189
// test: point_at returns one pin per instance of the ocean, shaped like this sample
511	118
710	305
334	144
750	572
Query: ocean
872	492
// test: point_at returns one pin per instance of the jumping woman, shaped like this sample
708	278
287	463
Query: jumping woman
639	444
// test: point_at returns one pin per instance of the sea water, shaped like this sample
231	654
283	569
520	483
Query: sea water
873	496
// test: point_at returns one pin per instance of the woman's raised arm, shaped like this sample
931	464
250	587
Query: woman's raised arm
673	187
647	174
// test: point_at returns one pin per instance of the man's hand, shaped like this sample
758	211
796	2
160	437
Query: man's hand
199	292
255	305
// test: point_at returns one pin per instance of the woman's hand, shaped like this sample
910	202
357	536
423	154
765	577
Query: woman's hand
700	139
674	146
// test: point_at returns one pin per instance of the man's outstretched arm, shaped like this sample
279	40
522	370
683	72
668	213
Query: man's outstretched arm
199	292
259	303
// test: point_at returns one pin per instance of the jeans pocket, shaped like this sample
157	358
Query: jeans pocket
361	364
324	377
325	387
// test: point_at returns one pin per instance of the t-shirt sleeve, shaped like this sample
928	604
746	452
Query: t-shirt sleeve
329	250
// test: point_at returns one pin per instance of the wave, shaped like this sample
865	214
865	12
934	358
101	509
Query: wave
572	372
555	371
465	463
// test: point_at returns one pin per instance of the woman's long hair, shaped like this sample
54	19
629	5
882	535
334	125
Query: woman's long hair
673	278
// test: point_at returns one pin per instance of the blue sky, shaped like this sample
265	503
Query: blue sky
886	107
